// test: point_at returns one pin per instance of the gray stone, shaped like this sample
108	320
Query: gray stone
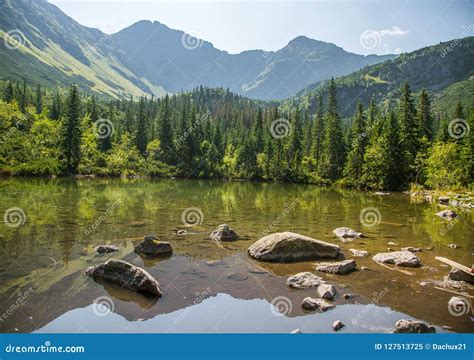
399	258
310	303
224	233
340	267
412	249
102	249
303	280
453	246
289	246
345	233
412	326
449	215
126	275
458	275
326	291
338	325
381	193
358	253
151	246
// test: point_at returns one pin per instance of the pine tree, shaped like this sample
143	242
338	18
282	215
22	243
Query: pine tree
332	158
9	93
355	158
56	107
318	132
424	116
71	132
94	111
166	134
258	132
23	97
409	130
39	99
141	138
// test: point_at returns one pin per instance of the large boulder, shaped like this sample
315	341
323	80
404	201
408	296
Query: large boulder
151	246
303	280
310	303
289	246
340	267
125	275
106	249
412	326
345	233
399	258
224	233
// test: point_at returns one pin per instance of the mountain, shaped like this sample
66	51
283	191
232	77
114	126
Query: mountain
445	69
177	61
150	58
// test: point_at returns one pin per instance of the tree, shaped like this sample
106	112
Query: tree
166	134
424	116
9	93
318	132
71	132
141	138
56	108
409	129
39	100
355	158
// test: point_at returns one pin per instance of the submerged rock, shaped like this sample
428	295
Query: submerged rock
326	291
126	275
303	280
443	200
103	249
289	246
412	326
340	267
152	246
458	275
453	246
338	325
345	233
224	233
399	258
412	249
358	253
447	215
310	303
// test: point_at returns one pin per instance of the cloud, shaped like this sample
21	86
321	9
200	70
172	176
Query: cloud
393	31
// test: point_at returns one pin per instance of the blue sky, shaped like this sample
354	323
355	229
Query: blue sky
363	27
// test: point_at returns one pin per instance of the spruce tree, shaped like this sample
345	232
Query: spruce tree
409	130
39	99
355	158
318	132
141	138
71	132
9	93
55	113
166	134
425	118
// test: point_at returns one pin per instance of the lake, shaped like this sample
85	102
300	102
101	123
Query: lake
210	286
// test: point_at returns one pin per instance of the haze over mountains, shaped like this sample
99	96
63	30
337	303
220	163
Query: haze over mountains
150	58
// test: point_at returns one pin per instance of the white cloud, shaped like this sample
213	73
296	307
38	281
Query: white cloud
393	31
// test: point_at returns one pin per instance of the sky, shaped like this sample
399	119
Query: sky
362	27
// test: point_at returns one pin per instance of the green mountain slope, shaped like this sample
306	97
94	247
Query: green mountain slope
434	68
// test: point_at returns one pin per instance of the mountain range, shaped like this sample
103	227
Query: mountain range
150	58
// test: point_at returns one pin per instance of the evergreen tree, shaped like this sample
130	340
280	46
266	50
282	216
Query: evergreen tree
355	158
9	93
55	113
318	132
166	133
71	132
425	118
141	138
409	130
39	100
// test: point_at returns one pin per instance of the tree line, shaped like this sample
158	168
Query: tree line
213	133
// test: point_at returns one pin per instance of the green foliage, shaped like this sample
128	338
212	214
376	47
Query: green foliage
444	170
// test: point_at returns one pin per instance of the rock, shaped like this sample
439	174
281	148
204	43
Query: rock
310	303
390	249
358	253
337	325
126	275
452	246
224	233
296	331
289	246
412	326
364	268
102	249
303	280
340	267
238	277
381	193
215	262
449	215
152	246
345	233
458	275
399	258
347	296
443	200
391	243
326	291
412	249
